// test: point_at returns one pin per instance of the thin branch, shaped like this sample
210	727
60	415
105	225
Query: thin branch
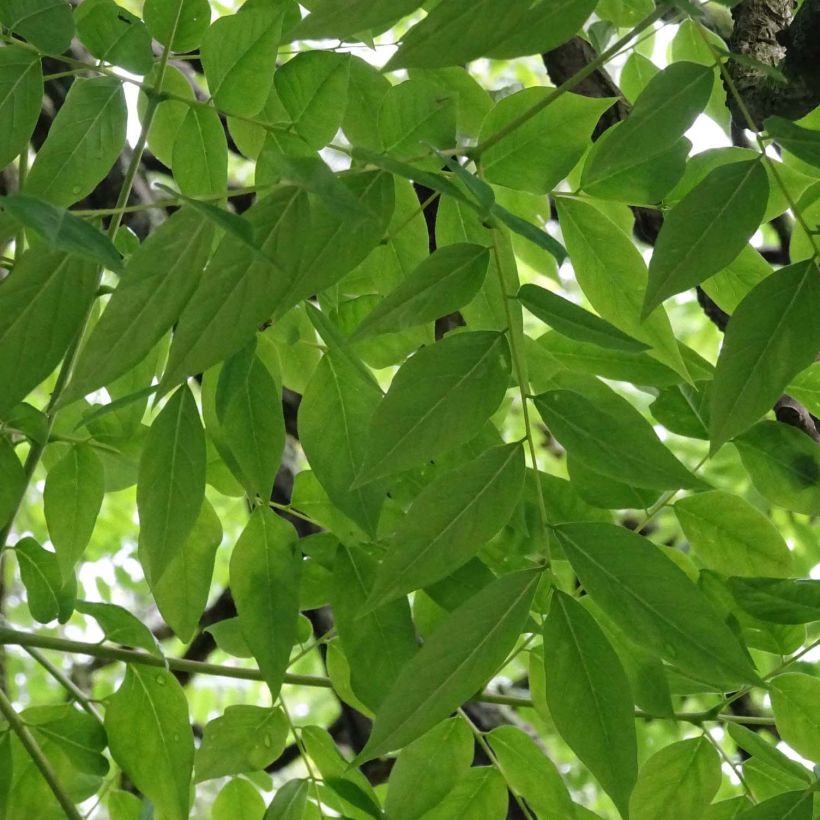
29	743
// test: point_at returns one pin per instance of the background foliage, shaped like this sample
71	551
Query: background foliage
370	393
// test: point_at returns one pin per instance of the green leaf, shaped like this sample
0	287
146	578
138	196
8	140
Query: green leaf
440	398
21	94
169	113
334	419
251	423
450	520
543	28
784	465
707	229
558	135
444	282
678	782
159	279
46	24
455	661
171	482
622	446
731	537
654	602
589	698
377	642
42	307
794	703
13	484
265	571
243	739
796	805
72	499
438	759
114	35
612	275
49	597
181	593
479	795
573	321
289	802
200	153
804	143
805	387
238	798
239	56
771	337
150	738
220	317
120	626
61	230
84	141
341	18
75	733
755	744
791	601
458	31
313	89
664	110
180	23
529	772
415	115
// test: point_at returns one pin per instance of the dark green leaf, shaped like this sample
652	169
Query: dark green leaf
654	602
181	593
341	18
49	597
589	698
178	23
480	793
239	56
444	282
458	31
450	520
455	661
21	94
377	642
791	601
289	801
120	626
171	482
784	465
573	321
61	230
200	153
159	279
772	336
440	398
84	141
265	572
114	35
71	502
13	484
558	135
150	738
46	24
795	805
438	759
42	307
707	229
243	739
608	444
664	110
804	143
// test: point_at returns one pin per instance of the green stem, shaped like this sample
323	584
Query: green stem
73	690
14	637
30	744
523	391
569	84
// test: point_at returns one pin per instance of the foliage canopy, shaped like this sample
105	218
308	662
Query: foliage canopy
368	424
